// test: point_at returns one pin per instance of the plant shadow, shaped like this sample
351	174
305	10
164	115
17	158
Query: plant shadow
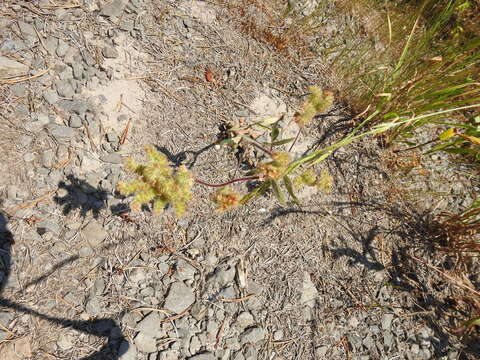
105	327
420	236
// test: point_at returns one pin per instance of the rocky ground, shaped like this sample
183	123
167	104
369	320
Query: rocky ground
83	85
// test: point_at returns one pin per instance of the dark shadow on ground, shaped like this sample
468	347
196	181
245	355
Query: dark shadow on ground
420	238
81	195
116	344
181	157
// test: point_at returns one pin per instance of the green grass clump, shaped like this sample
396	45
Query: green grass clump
157	182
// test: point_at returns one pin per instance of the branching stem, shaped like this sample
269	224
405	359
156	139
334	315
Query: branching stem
201	182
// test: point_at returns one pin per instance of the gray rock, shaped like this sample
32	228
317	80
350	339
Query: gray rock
245	319
65	342
169	355
185	271
65	88
202	356
252	335
151	325
114	8
62	48
321	352
85	252
8	45
51	97
62	132
78	72
48	226
112	137
94	233
89	164
195	345
368	342
388	340
66	74
77	106
51	44
145	343
355	341
309	291
48	158
93	306
12	192
127	351
29	157
75	121
179	298
110	52
228	293
19	90
112	158
26	29
98	286
387	321
126	25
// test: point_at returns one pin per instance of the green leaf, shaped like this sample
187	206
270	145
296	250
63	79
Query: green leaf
289	187
274	133
278	192
280	142
255	192
447	134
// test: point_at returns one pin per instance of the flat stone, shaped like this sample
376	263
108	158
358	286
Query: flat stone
112	158
245	319
65	342
75	121
51	44
151	325
65	88
19	90
11	68
62	132
179	298
126	25
29	157
114	8
110	52
93	306
51	97
62	48
185	271
85	252
94	233
252	335
48	158
89	164
48	226
387	321
78	72
127	351
112	137
26	29
309	291
145	343
77	106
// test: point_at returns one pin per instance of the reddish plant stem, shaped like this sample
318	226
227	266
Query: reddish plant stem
258	146
228	182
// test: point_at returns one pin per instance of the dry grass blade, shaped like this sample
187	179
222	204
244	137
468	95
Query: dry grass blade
25	78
